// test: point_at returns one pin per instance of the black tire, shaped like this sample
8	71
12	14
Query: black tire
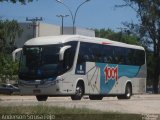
41	97
79	92
120	97
95	97
128	93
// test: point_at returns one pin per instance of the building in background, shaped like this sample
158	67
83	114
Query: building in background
79	31
36	30
40	29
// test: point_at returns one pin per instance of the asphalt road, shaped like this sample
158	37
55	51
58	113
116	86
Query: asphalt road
139	104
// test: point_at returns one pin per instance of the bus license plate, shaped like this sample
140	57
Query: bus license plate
36	91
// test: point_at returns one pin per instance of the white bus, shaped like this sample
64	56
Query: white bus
74	65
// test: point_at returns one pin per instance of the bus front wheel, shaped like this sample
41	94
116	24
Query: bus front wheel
41	97
79	92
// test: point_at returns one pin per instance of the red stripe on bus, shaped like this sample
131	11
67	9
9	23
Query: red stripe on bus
105	43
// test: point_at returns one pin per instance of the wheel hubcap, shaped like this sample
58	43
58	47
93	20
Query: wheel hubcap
78	91
128	92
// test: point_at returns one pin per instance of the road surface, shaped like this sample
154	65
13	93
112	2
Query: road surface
138	104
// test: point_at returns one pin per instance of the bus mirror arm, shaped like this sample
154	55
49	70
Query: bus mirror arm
15	52
62	51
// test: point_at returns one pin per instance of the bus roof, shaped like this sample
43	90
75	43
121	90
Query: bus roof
49	40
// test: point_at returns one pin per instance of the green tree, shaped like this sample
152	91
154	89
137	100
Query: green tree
8	68
9	30
148	12
122	36
150	67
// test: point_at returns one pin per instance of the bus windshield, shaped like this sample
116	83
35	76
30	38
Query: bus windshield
39	62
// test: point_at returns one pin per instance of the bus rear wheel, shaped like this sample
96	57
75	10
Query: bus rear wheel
41	97
95	97
128	93
79	92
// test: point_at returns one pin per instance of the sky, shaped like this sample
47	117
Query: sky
93	14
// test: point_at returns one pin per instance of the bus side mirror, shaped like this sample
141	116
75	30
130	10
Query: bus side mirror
15	52
62	51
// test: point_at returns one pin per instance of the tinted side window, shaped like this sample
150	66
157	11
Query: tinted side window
119	55
107	53
139	57
96	55
90	52
135	57
130	56
83	55
86	53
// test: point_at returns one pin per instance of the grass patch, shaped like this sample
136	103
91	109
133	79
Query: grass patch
61	113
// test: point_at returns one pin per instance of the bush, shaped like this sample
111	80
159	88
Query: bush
8	68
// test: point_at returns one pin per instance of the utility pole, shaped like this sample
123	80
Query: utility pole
34	24
62	17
